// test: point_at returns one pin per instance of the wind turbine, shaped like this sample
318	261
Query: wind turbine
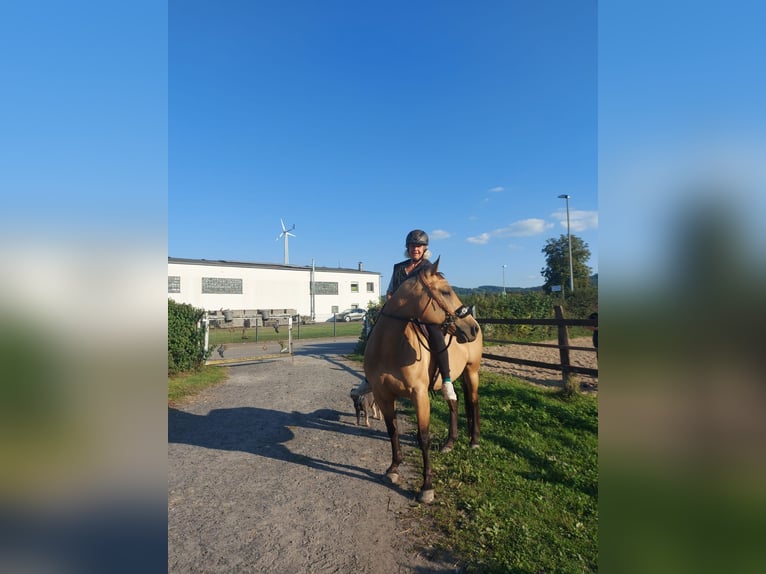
286	233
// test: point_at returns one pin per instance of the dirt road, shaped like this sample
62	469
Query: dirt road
269	473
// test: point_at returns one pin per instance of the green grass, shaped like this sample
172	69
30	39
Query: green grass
527	500
317	330
189	384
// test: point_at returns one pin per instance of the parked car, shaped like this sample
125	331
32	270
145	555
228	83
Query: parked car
351	315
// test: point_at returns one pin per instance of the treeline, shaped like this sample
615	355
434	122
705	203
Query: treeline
529	305
497	290
532	304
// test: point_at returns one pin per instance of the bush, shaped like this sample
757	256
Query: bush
527	305
186	340
373	311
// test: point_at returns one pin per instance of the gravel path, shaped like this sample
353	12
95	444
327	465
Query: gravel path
269	473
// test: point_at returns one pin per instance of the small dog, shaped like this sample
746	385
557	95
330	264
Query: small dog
364	403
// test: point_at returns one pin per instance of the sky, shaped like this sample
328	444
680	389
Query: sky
357	122
136	130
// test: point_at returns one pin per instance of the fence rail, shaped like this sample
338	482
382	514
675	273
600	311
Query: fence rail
564	365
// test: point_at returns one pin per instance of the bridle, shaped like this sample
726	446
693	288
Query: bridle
450	317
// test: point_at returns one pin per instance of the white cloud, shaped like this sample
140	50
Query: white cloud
497	189
440	234
523	228
479	239
579	220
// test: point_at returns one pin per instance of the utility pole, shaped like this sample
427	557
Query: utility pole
569	237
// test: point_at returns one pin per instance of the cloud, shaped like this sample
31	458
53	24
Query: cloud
523	228
497	189
579	220
440	234
479	239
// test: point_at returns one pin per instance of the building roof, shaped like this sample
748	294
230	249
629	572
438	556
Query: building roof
283	267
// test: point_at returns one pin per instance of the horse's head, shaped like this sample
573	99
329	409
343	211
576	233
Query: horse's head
440	305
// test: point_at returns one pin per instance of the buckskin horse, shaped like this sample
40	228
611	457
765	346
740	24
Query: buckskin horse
398	363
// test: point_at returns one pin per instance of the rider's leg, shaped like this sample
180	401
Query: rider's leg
439	350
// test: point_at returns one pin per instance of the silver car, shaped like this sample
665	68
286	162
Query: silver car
351	315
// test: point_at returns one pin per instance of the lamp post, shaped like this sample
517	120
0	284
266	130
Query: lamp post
569	237
504	266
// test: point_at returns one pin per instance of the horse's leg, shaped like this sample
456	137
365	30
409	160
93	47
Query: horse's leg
423	409
452	435
389	416
471	396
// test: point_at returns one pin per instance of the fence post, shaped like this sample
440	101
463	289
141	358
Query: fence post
563	343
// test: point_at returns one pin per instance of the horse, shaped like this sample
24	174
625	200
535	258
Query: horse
398	363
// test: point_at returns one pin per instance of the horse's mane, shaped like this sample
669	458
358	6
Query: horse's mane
421	272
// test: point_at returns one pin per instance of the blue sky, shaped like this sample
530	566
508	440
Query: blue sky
125	140
357	122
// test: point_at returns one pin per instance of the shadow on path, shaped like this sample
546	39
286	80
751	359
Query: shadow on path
265	432
329	351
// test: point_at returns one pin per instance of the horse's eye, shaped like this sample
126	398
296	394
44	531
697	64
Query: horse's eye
462	311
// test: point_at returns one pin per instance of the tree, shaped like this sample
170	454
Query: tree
556	270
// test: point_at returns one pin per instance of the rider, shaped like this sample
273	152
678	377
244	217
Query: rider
417	253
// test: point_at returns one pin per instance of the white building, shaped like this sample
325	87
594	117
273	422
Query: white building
221	285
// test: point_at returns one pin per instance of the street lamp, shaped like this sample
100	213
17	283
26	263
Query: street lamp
504	266
569	237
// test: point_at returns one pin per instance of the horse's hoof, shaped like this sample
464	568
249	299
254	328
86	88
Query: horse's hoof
446	448
426	496
475	446
393	477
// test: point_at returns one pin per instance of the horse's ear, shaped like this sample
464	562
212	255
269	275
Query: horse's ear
436	264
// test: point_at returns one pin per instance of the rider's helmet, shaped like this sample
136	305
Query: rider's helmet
417	237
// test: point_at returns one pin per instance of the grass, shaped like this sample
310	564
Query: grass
527	500
317	330
189	384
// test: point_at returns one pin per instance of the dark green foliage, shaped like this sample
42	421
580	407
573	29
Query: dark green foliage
186	340
498	290
372	315
492	290
556	270
529	305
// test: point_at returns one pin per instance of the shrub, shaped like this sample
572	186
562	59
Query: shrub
186	340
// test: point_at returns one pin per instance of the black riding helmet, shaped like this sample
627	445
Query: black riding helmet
417	237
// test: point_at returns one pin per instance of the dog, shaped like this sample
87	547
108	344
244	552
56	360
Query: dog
364	403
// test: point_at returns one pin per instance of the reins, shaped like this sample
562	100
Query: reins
418	332
449	318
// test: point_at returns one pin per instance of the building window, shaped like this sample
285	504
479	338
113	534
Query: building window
325	288
370	287
355	287
222	285
174	283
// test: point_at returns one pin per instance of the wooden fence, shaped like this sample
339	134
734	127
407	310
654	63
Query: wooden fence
563	345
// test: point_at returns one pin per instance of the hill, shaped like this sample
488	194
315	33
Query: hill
494	289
